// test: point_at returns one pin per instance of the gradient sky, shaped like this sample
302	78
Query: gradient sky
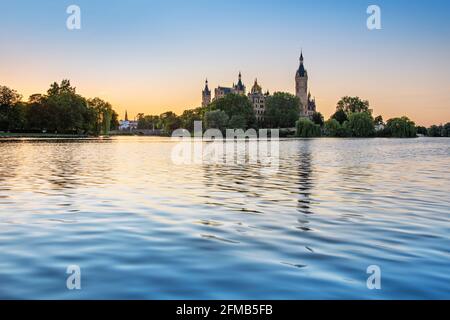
152	56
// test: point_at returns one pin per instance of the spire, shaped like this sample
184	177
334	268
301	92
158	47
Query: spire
126	115
239	86
301	70
206	86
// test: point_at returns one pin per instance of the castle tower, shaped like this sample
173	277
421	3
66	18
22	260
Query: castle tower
258	100
206	95
301	86
239	88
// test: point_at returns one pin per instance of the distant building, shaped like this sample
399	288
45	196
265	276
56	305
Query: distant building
258	100
379	127
126	125
206	95
238	88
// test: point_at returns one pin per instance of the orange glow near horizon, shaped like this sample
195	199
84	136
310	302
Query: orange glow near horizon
390	101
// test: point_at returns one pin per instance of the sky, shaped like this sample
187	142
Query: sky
152	56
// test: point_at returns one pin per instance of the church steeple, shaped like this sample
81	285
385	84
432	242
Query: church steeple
126	115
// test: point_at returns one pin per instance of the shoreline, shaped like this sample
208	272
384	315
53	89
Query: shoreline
13	136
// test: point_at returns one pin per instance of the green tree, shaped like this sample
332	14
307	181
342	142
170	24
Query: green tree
237	121
360	124
340	116
435	131
17	116
317	118
401	128
103	113
9	99
446	130
305	128
189	117
114	120
334	129
422	130
149	123
169	122
353	105
237	106
282	110
67	107
216	119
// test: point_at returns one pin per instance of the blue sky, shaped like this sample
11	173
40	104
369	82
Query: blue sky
152	56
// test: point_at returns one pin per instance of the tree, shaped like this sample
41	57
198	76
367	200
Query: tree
169	122
422	130
353	105
333	128
360	125
317	118
282	110
189	117
305	128
446	130
340	116
9	98
401	128
103	113
114	120
237	106
67	108
17	116
216	119
149	123
435	131
237	122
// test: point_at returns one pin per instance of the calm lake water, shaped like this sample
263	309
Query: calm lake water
142	227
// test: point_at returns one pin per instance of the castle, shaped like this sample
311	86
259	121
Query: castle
258	98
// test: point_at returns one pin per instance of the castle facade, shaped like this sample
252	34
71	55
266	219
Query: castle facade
258	99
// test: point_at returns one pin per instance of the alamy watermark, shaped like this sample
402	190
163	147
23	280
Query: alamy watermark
374	19
238	147
374	280
73	21
73	281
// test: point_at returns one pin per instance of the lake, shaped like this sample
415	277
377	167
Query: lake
141	227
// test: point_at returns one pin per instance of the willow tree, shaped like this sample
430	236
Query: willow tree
103	114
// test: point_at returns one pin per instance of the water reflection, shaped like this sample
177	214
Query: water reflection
143	227
306	182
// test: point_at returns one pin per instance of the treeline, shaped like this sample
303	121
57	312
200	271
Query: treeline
435	131
230	112
61	110
353	118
